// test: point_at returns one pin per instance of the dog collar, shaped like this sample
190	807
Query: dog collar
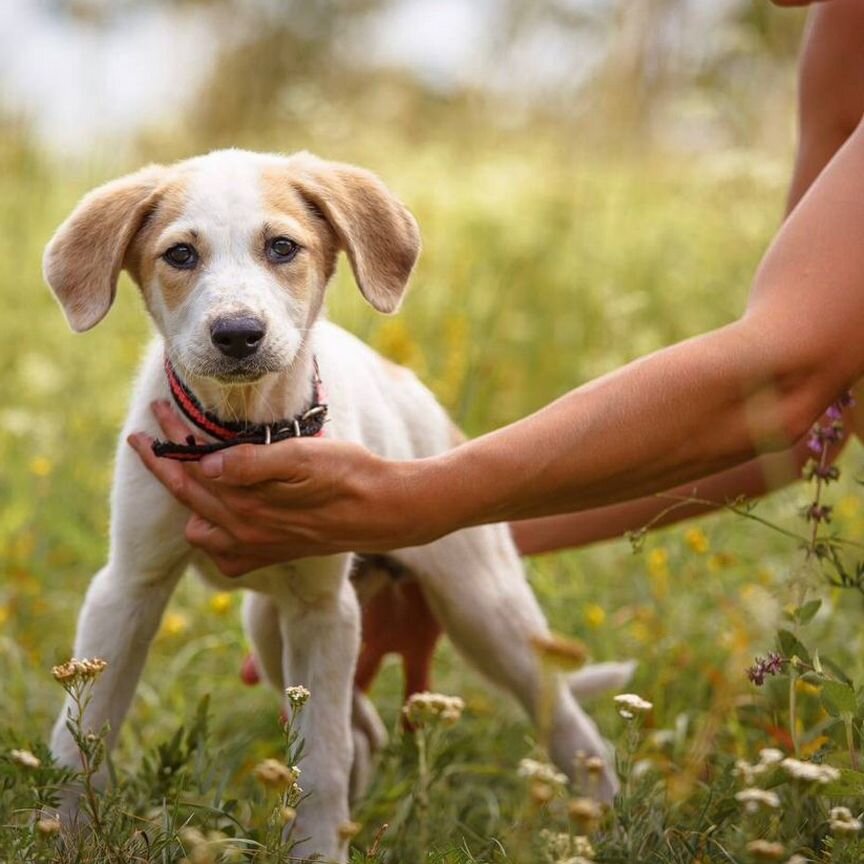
309	424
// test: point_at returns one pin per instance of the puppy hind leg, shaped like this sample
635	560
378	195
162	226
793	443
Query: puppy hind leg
475	585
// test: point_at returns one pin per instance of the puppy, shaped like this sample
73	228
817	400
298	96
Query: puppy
232	253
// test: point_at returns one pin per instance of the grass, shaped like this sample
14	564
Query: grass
544	266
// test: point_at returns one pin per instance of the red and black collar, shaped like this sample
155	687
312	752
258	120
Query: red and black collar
229	433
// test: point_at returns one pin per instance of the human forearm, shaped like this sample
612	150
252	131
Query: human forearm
749	480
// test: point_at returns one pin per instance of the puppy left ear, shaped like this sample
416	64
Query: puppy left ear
86	254
375	229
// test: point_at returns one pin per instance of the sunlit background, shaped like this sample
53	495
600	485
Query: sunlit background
594	179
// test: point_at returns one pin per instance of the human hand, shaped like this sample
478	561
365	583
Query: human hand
253	506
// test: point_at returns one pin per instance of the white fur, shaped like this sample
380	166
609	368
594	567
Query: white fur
303	618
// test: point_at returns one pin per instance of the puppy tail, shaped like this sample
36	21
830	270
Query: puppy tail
599	678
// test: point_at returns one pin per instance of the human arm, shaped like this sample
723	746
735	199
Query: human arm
831	102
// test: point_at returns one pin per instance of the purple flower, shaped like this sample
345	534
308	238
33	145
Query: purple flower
763	667
818	513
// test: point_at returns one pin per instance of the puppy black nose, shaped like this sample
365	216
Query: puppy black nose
237	337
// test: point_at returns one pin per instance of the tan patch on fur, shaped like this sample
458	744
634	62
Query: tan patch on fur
85	256
319	240
144	254
374	228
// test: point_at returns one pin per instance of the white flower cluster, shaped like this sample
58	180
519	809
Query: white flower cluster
629	705
542	772
754	799
765	850
768	758
25	758
298	695
79	670
566	848
809	772
422	708
841	821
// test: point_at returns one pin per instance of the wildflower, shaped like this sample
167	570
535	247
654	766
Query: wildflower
347	830
755	799
629	705
289	814
276	775
221	603
297	695
542	772
565	655
586	813
770	756
25	758
563	848
73	670
595	766
745	771
765	850
762	668
809	772
541	793
173	624
427	707
595	616
697	540
818	513
841	821
40	466
48	825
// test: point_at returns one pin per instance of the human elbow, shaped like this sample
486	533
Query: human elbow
806	390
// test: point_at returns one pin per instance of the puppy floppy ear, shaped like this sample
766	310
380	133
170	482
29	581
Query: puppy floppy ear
374	228
85	256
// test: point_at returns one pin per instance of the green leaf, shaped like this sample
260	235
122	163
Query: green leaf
790	646
851	783
838	698
836	669
808	611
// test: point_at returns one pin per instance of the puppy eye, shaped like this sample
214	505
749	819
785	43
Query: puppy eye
281	249
182	256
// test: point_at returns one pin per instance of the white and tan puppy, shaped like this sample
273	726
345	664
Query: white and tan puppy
232	253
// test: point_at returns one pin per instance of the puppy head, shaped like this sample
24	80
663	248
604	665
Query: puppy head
232	252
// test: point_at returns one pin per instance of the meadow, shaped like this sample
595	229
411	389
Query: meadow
545	264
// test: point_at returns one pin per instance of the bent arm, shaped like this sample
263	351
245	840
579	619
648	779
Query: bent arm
698	407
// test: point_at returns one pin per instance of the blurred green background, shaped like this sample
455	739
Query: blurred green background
593	180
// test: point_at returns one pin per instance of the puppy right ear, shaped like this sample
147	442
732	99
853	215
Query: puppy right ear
84	258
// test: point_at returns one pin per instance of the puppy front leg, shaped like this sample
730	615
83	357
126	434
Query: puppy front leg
321	647
125	600
117	623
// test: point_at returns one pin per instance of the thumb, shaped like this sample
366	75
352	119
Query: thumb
248	464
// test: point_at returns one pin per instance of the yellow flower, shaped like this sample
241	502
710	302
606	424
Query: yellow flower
220	603
41	466
5	615
658	558
697	541
174	624
595	616
848	507
721	561
658	571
